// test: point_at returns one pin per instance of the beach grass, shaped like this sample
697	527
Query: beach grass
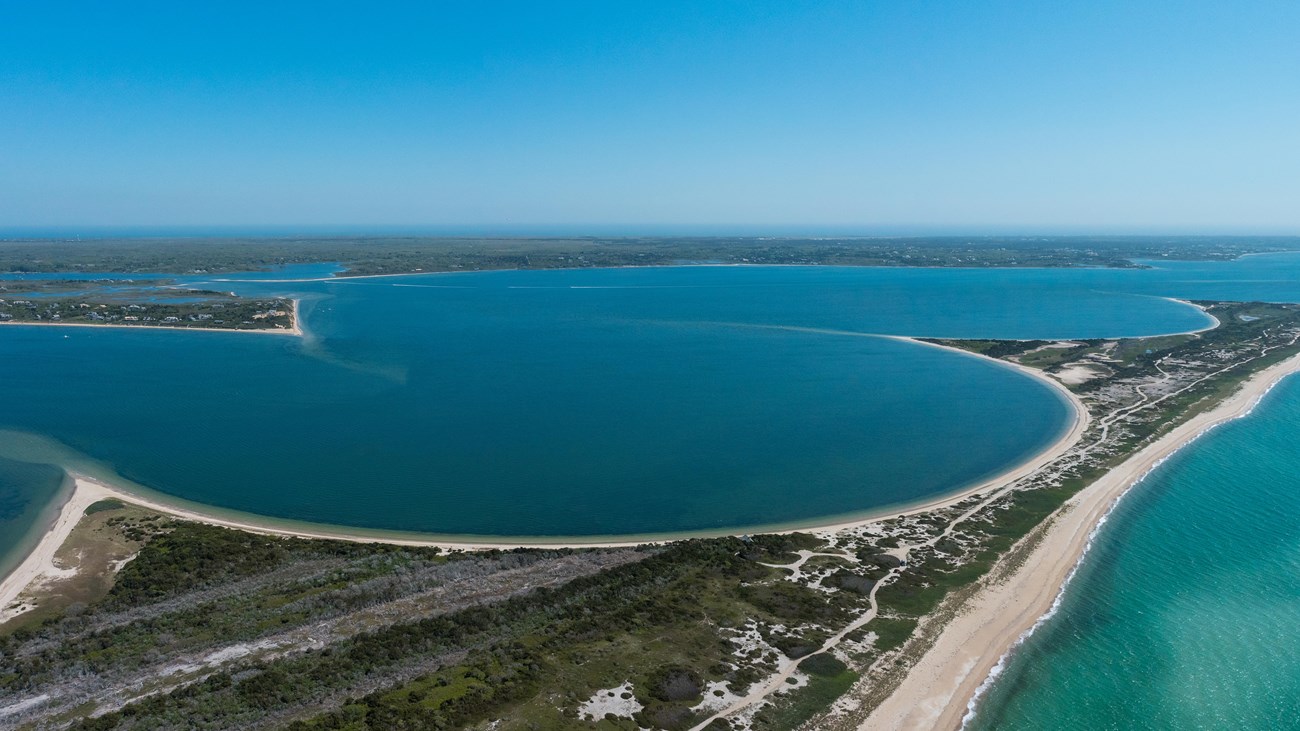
110	532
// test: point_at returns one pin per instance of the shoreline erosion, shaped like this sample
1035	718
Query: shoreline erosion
942	690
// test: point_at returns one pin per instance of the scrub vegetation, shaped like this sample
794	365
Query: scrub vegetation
201	310
208	627
176	624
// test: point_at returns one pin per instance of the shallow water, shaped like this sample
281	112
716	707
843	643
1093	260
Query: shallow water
628	401
27	494
587	402
1184	614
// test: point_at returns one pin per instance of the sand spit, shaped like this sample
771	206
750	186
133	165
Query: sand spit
39	564
941	690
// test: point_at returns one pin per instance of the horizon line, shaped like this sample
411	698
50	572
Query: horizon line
616	230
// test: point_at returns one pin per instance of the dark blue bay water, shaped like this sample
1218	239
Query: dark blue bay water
514	403
593	402
1184	614
656	400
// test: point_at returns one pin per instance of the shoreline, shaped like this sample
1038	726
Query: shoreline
1067	439
164	503
942	690
39	562
87	490
295	331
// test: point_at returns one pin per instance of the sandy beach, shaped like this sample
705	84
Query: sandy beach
40	562
87	490
1078	425
938	691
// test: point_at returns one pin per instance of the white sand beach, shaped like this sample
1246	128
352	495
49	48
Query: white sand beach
40	562
936	692
88	490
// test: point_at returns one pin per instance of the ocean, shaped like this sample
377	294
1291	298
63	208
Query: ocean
1183	614
714	399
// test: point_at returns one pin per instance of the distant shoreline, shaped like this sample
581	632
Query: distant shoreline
942	690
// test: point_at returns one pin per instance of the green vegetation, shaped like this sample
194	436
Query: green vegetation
1217	355
401	648
109	532
828	679
102	505
312	634
213	310
892	632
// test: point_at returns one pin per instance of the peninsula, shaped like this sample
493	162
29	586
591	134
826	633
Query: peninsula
203	311
887	622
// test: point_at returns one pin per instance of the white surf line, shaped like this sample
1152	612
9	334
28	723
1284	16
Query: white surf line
940	690
1007	486
1292	365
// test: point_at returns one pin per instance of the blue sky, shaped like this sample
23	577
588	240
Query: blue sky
860	116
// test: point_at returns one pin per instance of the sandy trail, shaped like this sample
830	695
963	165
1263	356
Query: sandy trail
936	692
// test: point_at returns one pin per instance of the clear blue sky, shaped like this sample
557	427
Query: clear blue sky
1050	116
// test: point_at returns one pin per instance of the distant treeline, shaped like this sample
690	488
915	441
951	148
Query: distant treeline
390	255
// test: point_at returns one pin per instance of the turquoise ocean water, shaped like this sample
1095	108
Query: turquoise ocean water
1184	614
639	401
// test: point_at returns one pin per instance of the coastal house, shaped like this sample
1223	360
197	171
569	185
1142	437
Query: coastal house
171	318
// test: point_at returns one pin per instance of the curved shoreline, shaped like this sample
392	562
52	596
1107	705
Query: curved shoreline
40	560
1063	443
942	690
87	490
